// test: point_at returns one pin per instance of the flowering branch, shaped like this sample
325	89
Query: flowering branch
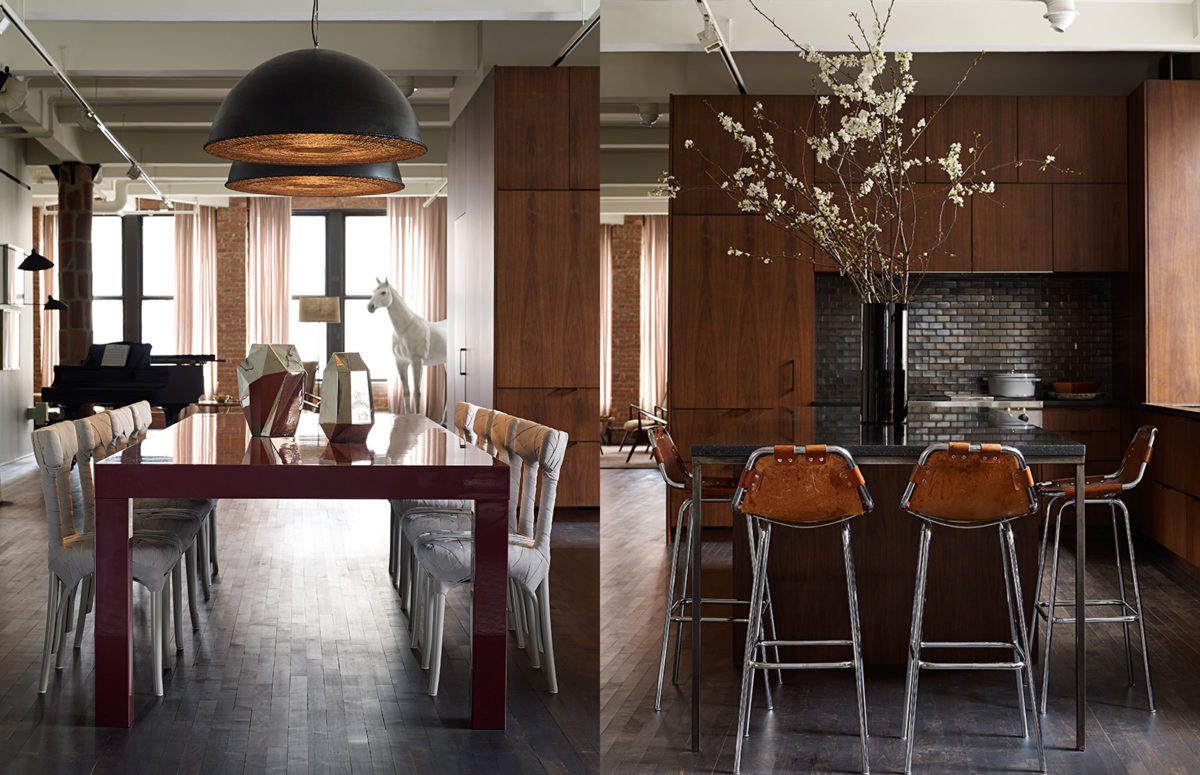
867	218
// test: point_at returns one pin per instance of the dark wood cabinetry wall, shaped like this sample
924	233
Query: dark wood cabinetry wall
525	257
742	332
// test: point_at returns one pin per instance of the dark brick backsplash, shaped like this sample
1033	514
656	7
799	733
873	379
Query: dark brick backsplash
1060	327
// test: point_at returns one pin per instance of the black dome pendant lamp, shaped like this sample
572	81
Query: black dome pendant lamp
315	107
325	180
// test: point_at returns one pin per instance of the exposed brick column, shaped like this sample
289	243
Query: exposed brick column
74	260
232	226
626	314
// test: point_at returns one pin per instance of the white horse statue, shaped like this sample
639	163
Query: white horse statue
416	343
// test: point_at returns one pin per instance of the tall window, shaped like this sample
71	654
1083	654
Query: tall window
133	280
341	253
108	306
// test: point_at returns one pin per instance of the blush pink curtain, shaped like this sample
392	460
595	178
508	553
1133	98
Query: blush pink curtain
49	287
267	245
653	362
196	284
417	246
605	320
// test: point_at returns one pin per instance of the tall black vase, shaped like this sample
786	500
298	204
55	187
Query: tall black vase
884	363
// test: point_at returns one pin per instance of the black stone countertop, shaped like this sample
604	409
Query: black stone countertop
839	425
1191	411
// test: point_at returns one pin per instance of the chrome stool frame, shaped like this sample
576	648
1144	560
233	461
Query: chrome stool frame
1108	488
1021	663
679	601
756	644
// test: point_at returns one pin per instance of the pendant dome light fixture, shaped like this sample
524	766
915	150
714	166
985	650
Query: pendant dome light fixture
315	107
308	180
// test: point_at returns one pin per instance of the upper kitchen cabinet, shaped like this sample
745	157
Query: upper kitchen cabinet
697	169
533	147
988	124
1011	230
940	221
1086	135
1091	228
741	330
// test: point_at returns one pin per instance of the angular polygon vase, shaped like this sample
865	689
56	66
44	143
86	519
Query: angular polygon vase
271	387
347	413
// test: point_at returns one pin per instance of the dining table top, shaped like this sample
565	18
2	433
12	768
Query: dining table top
225	440
840	426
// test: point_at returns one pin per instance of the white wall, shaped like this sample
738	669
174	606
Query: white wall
16	228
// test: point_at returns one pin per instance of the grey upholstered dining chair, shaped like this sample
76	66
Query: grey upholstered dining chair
445	561
72	552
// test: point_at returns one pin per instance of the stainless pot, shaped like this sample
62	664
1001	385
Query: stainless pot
1012	384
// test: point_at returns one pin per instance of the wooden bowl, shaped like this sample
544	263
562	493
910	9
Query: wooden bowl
1086	386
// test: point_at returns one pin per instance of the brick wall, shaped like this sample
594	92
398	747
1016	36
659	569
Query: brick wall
232	224
626	314
74	259
1060	327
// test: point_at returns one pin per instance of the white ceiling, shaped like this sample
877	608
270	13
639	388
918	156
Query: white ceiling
916	25
299	10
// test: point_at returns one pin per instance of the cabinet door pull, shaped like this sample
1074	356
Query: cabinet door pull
462	361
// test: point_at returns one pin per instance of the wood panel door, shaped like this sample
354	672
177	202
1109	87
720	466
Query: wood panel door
988	124
547	324
1087	135
696	169
574	410
1091	228
584	131
1011	230
533	128
741	330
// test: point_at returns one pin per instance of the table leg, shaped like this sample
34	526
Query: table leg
114	614
489	611
1080	613
697	553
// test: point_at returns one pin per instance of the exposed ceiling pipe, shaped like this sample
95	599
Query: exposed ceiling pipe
589	25
120	200
61	74
714	39
433	197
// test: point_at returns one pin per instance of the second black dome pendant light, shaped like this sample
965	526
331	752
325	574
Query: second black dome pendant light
313	108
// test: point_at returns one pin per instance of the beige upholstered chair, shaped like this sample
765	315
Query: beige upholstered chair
72	552
447	560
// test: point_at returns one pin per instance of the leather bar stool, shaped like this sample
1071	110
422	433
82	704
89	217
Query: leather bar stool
676	474
971	486
1101	491
799	487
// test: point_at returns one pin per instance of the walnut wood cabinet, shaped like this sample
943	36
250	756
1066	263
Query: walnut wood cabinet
524	267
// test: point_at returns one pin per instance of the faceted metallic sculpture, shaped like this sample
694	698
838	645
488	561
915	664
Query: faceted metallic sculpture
271	387
347	413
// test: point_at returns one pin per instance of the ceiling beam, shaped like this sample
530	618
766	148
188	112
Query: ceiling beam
233	48
182	115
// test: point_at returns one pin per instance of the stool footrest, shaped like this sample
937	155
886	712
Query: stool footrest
1043	610
971	665
967	645
805	643
686	619
802	665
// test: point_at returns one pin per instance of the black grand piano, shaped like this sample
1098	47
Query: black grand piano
125	372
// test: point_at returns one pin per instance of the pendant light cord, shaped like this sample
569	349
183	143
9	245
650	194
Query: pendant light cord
313	25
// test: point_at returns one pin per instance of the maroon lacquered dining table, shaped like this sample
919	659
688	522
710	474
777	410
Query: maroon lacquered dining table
214	456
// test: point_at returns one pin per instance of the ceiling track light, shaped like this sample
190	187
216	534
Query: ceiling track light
315	107
7	12
714	40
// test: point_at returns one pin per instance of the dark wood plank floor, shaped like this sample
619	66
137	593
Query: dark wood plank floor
967	722
302	663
